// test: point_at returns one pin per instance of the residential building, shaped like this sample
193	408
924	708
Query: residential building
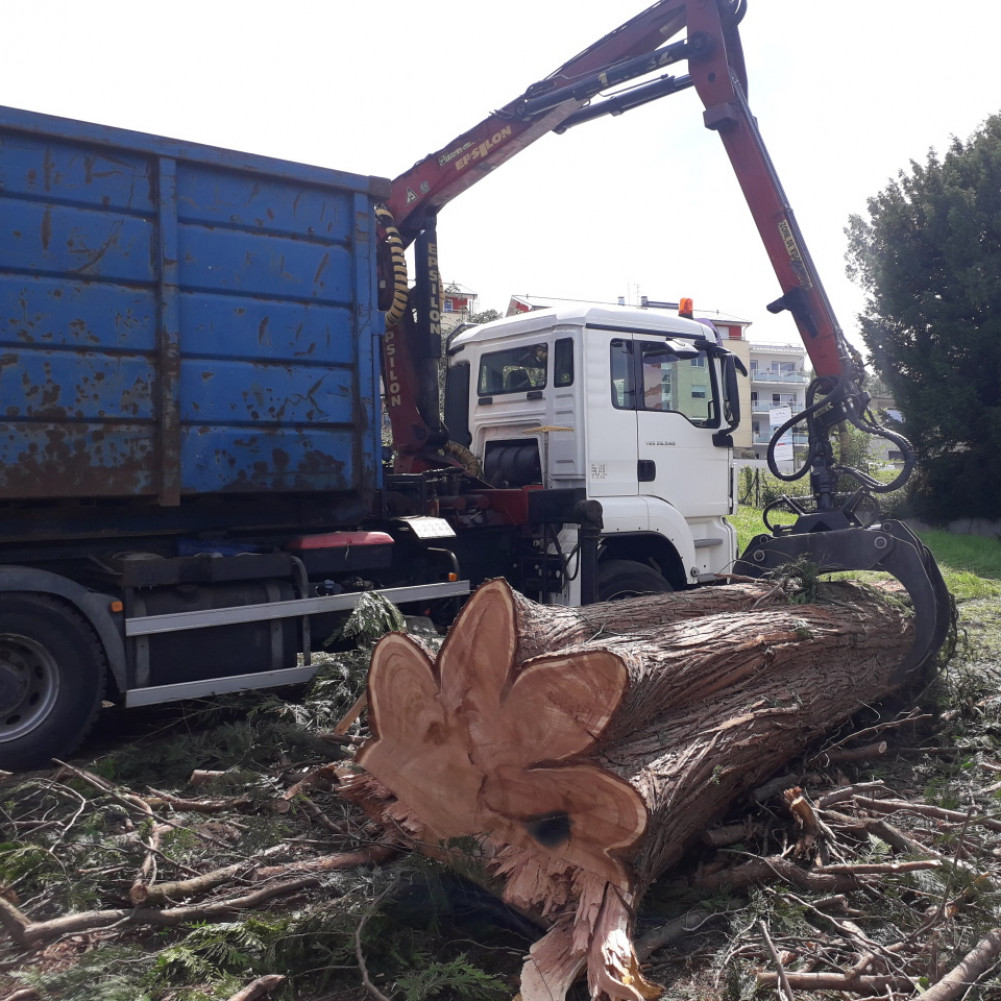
778	378
884	406
734	334
457	305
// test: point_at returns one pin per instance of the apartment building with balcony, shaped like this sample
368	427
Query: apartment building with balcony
779	375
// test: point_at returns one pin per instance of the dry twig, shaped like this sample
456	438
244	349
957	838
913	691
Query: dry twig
968	971
785	991
259	988
27	933
360	955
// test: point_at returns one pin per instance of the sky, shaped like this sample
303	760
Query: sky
846	93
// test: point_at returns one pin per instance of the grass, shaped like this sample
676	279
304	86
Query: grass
970	564
748	523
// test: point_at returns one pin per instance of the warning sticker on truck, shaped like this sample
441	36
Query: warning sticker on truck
792	249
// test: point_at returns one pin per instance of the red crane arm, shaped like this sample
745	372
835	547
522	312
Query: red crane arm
412	343
720	81
829	535
636	48
440	176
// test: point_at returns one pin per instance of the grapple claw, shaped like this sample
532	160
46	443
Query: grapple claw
890	547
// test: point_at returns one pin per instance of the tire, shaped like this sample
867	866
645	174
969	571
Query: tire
618	579
52	678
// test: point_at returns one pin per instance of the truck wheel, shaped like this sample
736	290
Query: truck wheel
52	678
619	579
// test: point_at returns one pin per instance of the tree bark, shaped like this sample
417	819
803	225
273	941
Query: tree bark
574	754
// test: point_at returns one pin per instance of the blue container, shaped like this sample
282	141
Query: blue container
178	320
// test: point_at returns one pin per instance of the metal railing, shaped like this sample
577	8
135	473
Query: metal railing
760	408
798	438
770	347
769	375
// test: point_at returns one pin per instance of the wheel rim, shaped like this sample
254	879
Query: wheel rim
29	684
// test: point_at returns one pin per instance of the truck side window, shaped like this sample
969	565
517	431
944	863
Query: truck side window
678	385
513	370
563	362
621	370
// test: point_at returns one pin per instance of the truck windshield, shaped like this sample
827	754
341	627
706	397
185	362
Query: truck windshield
513	370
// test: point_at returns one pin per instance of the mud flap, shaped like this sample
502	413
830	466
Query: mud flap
890	547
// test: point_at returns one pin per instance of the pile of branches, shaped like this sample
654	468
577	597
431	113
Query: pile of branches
88	863
878	895
237	883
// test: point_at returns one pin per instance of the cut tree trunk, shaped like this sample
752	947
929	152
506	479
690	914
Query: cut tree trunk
573	754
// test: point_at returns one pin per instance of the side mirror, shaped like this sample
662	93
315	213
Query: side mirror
457	380
731	391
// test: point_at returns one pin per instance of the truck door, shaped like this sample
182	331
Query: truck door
678	406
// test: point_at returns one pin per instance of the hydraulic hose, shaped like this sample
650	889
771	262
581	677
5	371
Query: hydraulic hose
398	261
838	399
734	9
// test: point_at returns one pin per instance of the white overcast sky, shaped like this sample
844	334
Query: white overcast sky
846	92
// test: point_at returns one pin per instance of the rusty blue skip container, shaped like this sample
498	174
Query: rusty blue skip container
179	321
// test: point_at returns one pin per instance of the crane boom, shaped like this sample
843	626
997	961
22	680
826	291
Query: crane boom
723	91
412	345
710	43
830	534
436	179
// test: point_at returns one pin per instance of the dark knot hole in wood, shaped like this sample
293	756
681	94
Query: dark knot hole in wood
550	829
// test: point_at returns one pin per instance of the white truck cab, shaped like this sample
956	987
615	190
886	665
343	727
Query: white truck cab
634	405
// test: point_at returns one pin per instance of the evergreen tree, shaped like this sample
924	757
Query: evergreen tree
485	317
929	260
